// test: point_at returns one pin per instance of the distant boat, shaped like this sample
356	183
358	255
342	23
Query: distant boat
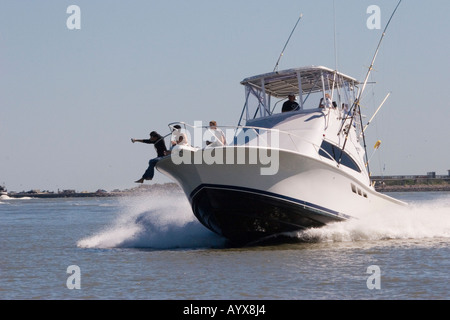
281	171
3	191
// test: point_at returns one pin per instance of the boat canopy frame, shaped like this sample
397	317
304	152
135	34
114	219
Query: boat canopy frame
302	81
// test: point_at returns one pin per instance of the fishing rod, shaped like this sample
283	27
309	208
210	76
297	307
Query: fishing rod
356	104
376	52
276	67
282	51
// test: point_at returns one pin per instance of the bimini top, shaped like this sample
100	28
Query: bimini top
313	79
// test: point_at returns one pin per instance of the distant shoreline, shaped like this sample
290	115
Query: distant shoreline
413	188
172	187
412	183
143	189
61	195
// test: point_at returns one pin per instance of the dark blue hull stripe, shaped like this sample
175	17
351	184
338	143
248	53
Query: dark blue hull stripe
313	207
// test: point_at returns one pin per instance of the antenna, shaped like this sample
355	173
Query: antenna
335	47
282	51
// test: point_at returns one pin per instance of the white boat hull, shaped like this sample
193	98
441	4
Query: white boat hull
238	202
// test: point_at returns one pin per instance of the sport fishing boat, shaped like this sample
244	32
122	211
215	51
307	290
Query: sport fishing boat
279	172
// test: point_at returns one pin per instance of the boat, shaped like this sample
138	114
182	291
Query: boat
3	191
281	172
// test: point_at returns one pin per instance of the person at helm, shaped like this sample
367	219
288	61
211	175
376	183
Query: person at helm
290	104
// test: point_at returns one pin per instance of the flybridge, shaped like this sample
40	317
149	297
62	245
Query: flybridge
305	82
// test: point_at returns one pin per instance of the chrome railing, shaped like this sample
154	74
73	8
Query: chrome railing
252	136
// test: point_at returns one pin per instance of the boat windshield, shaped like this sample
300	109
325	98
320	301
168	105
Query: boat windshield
266	93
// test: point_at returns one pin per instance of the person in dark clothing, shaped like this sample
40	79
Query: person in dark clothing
161	150
291	104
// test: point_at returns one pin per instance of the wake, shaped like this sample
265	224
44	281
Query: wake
167	222
154	222
420	220
5	197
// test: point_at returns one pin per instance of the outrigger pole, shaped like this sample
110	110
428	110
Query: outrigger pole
282	51
357	101
378	109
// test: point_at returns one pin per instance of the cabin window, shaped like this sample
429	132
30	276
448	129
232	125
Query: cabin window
327	150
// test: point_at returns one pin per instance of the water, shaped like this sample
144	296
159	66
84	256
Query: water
151	247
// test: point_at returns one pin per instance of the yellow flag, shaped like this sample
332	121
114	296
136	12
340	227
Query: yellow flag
377	144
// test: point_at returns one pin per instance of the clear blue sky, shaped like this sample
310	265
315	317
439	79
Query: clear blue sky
70	100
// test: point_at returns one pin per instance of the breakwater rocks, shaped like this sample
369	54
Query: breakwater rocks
153	188
412	188
411	183
60	195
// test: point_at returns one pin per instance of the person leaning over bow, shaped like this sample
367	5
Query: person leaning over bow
161	150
